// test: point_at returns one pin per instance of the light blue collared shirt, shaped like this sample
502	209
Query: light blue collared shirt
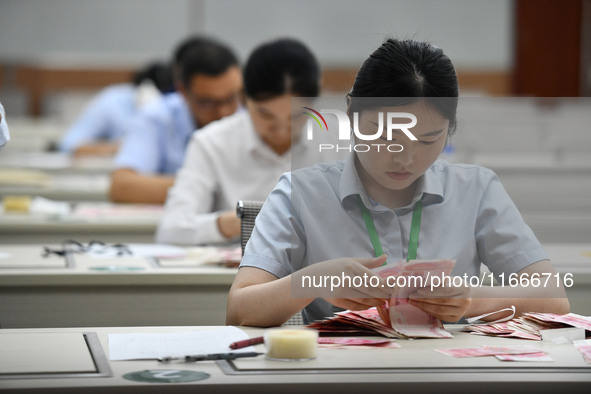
157	137
312	215
4	133
103	119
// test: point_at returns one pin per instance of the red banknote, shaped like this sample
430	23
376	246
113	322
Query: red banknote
407	319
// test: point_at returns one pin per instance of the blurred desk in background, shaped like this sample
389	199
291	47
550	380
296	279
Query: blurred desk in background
55	162
555	202
54	175
163	289
54	186
553	196
83	290
88	221
574	259
34	134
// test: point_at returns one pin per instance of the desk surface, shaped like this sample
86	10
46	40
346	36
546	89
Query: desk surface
127	291
88	221
414	367
55	186
56	162
42	292
25	266
22	265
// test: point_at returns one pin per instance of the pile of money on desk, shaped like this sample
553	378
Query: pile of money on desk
530	324
369	322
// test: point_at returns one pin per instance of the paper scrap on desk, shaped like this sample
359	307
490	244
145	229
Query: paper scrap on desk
538	357
478	319
484	350
584	347
563	335
137	346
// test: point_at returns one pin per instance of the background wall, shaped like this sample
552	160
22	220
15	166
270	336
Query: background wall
475	33
92	43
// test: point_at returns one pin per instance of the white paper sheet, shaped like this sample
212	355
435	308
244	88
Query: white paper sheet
136	346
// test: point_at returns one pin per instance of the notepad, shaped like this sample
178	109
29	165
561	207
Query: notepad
44	353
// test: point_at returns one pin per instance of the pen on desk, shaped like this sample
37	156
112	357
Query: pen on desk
213	356
246	342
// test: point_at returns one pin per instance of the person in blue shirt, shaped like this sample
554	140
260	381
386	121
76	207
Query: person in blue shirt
209	85
327	221
101	126
4	133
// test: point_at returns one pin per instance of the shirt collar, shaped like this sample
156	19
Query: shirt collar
254	144
430	187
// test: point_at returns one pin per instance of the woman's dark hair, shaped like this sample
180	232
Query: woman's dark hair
404	71
281	66
159	73
201	55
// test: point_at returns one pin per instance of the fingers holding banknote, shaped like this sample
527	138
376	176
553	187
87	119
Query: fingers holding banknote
449	303
348	283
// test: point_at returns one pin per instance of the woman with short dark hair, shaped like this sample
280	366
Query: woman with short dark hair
341	219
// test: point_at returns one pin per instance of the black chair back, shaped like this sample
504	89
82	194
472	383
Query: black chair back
247	211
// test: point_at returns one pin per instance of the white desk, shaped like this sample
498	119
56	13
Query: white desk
88	221
34	134
413	368
127	291
44	292
55	186
55	162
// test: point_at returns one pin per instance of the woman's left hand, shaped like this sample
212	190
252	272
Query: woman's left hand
445	303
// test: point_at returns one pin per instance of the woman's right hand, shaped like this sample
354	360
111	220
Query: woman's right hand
347	283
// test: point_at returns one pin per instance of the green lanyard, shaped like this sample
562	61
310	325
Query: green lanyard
415	229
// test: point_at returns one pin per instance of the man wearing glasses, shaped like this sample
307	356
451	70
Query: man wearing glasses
209	85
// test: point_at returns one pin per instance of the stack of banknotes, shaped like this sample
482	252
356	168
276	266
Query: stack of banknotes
530	324
397	318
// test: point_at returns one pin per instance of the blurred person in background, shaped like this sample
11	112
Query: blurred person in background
101	126
209	86
242	156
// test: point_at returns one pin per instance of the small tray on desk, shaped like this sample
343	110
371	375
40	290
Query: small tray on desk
31	257
52	355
